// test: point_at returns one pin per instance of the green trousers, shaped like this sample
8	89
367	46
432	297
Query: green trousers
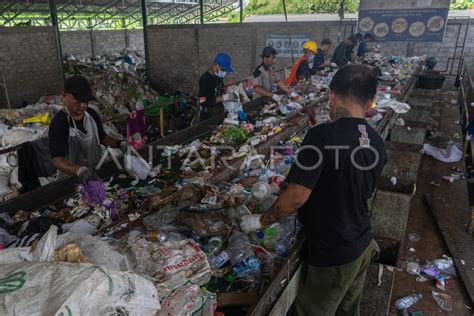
335	290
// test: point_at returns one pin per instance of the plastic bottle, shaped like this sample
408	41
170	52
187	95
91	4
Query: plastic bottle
261	190
284	165
164	236
267	261
214	245
217	262
407	301
242	258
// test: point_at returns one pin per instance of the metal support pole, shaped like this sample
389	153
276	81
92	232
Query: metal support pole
6	92
241	6
201	11
54	21
145	37
289	33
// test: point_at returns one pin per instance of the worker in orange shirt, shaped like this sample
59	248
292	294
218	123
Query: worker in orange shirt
301	68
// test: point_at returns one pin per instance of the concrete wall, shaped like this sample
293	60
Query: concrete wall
82	44
172	58
29	61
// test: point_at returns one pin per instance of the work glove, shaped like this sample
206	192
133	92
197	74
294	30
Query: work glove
334	65
124	145
276	97
86	174
250	223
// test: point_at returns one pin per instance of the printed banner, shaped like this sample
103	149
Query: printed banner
416	23
281	43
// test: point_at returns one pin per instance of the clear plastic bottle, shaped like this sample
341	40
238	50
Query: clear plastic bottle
242	258
284	165
214	245
267	262
164	236
217	262
407	301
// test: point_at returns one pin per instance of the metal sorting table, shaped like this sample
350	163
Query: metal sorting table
278	295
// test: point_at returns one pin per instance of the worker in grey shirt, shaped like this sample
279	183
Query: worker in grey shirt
265	78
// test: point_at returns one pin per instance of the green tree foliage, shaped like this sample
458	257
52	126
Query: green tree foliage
258	7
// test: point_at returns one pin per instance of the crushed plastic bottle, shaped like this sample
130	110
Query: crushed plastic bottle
267	261
214	245
407	301
261	190
164	236
217	262
278	236
244	263
284	165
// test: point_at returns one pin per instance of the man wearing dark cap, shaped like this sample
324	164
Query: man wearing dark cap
76	133
265	79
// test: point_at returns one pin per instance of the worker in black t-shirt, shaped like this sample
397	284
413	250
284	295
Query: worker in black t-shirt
333	176
76	132
211	86
344	52
319	59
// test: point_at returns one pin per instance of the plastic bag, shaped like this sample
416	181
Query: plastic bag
4	179
189	300
137	167
207	224
165	215
43	251
170	264
97	251
444	300
451	154
73	289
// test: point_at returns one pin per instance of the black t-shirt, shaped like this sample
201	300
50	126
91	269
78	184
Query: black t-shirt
349	50
304	70
210	87
340	54
336	219
318	59
59	131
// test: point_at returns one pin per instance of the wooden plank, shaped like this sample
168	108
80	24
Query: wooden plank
376	297
453	248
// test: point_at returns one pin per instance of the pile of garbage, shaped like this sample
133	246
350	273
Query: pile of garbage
190	235
168	238
118	81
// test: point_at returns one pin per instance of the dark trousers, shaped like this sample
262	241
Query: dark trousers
335	290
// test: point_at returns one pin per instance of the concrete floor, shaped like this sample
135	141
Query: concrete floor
451	200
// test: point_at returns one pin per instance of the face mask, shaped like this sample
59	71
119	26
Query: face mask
221	74
311	57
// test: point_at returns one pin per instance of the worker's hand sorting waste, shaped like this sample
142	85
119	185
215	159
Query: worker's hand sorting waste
334	65
276	97
86	174
250	223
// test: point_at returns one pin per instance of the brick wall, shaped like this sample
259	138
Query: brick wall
29	61
82	44
172	61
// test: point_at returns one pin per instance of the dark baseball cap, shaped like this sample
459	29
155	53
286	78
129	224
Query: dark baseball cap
268	51
80	88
